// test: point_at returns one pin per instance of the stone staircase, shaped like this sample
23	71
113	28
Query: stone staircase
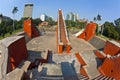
102	77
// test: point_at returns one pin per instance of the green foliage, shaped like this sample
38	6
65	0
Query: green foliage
1	16
99	17
15	9
95	19
37	21
117	22
51	22
76	24
97	29
7	26
110	31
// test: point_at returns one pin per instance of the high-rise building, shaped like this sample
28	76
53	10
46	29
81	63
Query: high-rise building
28	10
72	16
44	17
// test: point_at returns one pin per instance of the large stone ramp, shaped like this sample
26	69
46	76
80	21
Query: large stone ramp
97	42
62	37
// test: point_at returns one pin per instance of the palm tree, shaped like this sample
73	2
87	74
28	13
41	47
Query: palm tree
95	19
14	11
99	19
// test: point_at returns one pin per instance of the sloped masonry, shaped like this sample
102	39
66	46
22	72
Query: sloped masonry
13	51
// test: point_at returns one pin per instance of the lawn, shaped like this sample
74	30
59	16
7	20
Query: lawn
8	34
104	37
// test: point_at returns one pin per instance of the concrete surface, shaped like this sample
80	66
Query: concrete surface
60	66
97	42
17	74
47	72
69	63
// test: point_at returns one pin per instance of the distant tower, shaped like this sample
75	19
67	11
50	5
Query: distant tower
28	10
72	16
77	16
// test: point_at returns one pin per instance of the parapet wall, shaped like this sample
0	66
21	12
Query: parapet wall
13	51
17	52
30	29
88	32
112	48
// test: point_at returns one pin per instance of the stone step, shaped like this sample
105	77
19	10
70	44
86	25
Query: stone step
82	77
50	78
102	77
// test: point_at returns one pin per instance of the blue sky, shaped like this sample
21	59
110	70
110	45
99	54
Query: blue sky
108	9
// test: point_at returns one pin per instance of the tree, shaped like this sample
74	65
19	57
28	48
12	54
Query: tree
37	21
76	24
99	26
14	11
95	19
110	30
117	22
99	17
1	17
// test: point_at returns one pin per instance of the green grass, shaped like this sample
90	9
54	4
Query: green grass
73	28
104	37
8	34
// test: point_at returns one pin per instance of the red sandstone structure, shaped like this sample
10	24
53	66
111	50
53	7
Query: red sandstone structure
111	59
103	64
63	43
108	55
88	32
30	29
14	51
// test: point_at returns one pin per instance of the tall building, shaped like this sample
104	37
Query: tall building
72	16
44	17
77	16
28	10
